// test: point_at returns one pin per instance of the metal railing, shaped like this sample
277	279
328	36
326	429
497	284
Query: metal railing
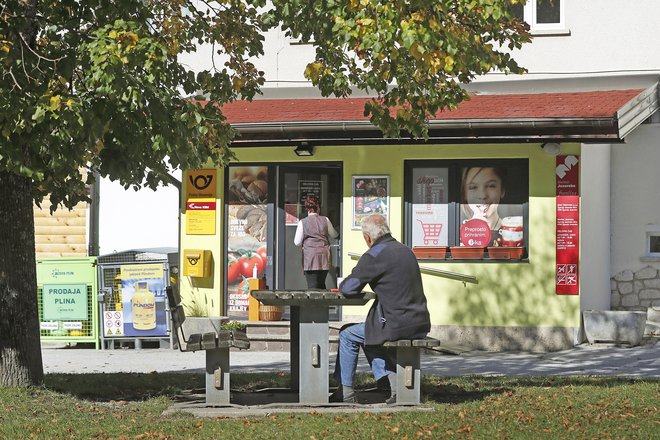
441	273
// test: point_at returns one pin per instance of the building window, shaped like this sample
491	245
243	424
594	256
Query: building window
470	203
542	15
653	241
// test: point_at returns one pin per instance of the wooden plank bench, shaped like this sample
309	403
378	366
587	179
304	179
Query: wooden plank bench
211	339
408	371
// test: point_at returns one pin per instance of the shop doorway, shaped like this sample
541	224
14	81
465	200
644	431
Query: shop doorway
295	183
264	205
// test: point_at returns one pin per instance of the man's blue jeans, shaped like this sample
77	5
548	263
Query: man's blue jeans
351	338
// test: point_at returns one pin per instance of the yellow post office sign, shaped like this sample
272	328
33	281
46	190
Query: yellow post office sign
202	184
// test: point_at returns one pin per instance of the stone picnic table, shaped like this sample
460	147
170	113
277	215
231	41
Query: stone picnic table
310	335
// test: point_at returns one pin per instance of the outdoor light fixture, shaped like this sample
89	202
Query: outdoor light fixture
551	148
304	149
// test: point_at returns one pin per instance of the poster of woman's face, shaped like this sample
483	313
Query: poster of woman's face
495	195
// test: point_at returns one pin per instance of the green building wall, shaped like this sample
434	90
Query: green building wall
512	300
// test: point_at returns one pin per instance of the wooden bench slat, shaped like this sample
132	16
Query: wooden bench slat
399	343
225	343
241	340
194	342
283	295
428	342
299	295
209	341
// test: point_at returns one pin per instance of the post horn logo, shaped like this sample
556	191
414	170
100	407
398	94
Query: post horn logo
201	182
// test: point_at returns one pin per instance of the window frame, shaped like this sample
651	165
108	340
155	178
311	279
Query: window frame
651	231
530	10
530	17
454	167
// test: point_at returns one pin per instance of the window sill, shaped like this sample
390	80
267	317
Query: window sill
474	260
562	32
650	259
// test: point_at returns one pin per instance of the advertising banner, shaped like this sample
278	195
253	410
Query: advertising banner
247	231
143	300
65	302
567	225
200	216
370	196
492	198
430	207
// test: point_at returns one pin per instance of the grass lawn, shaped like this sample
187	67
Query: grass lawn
129	406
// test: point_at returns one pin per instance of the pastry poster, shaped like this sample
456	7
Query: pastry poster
247	229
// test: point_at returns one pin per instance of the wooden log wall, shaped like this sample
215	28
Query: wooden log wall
62	234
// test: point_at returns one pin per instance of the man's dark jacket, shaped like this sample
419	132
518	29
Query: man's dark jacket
399	311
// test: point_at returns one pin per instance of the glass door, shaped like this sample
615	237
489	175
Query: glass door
294	184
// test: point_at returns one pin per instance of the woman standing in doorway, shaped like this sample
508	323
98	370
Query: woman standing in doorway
313	233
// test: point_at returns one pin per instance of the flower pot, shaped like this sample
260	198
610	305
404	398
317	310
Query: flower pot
427	252
270	313
619	326
505	252
466	253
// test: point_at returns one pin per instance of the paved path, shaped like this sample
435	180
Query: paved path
599	359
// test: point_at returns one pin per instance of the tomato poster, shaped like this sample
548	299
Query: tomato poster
247	228
567	226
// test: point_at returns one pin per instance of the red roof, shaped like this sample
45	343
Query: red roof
542	105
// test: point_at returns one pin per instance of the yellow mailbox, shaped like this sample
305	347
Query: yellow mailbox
197	263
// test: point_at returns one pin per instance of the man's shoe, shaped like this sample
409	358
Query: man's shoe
391	400
338	397
383	384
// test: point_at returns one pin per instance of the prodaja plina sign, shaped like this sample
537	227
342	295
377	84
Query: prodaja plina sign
567	177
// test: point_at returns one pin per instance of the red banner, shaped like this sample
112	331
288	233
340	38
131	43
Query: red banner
200	206
567	225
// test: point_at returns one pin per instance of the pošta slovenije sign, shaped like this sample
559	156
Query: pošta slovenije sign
64	302
568	225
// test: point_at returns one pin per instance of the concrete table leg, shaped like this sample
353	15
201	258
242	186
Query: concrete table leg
294	344
217	376
313	354
407	375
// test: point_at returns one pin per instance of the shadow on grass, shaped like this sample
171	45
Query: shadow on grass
435	389
143	386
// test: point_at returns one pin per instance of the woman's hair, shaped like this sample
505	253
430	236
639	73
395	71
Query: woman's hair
312	203
499	172
375	226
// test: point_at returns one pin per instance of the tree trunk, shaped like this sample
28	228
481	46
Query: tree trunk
20	349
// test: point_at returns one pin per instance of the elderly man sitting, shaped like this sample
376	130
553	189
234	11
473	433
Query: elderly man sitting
399	311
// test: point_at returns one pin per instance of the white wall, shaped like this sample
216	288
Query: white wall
131	220
606	37
635	199
595	226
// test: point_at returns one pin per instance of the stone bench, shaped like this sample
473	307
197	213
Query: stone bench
197	334
408	370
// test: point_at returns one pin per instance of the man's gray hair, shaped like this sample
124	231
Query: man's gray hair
375	226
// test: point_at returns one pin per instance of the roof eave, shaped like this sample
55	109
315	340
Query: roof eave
638	109
596	129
